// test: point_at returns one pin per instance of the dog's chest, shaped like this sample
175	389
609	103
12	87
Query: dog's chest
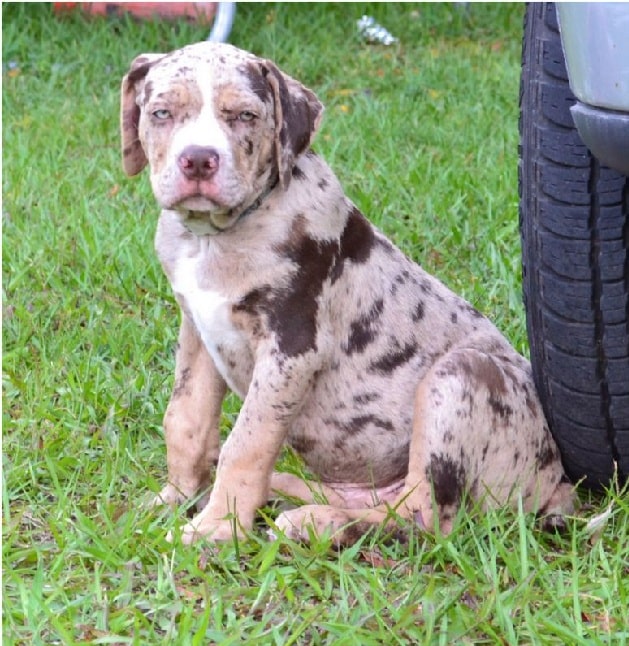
211	312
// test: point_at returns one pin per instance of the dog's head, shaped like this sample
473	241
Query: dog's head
217	126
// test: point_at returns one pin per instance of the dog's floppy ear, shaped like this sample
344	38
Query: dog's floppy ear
298	114
133	157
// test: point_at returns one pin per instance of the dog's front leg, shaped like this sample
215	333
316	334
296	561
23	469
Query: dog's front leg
191	419
248	456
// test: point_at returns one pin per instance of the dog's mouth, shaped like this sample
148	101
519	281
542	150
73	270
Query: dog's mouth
207	222
198	204
202	215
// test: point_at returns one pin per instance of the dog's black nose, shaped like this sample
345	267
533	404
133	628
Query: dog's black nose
198	162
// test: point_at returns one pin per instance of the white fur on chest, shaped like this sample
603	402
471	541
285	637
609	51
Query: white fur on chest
211	313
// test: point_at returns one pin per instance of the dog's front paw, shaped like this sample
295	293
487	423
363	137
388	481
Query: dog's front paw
168	496
217	531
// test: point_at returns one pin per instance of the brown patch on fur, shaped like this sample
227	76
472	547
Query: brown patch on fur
356	242
133	156
302	444
257	81
357	238
291	311
297	115
489	374
483	370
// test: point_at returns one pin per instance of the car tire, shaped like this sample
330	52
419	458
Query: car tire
574	228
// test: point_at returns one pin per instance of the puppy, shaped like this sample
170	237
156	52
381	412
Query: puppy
399	396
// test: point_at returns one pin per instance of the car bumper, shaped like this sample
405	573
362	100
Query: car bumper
596	49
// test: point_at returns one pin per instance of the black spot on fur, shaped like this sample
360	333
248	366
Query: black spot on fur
399	280
285	409
454	317
302	444
184	70
364	329
448	479
501	409
181	385
546	455
466	307
530	400
389	362
322	184
418	313
366	398
298	173
357	424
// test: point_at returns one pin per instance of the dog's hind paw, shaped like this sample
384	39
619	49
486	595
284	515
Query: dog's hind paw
317	521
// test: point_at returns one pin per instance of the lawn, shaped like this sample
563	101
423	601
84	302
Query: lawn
423	134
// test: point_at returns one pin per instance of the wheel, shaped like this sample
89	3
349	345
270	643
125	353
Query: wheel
574	229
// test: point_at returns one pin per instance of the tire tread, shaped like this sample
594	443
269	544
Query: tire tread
574	224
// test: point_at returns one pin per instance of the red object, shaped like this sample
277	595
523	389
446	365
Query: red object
201	11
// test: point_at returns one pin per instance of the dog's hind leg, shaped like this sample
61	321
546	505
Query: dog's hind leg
479	429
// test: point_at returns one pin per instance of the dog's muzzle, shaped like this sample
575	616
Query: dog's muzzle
202	223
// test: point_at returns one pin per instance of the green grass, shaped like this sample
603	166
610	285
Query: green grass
424	137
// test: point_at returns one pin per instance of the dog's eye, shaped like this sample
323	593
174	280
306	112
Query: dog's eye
246	116
162	114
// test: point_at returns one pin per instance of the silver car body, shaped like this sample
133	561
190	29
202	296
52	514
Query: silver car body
595	38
